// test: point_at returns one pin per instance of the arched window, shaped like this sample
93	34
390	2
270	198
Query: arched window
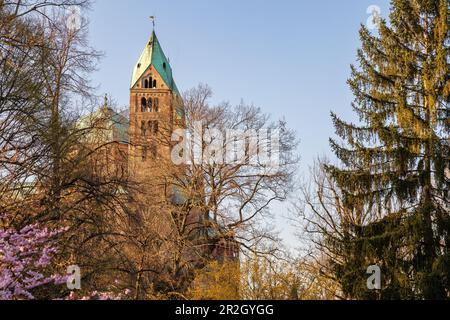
143	104
155	127
144	153
150	126
154	151
154	84
150	82
146	83
136	104
156	104
150	105
143	129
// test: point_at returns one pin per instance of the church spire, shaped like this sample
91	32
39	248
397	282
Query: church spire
153	55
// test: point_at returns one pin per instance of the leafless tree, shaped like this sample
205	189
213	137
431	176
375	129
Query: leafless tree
236	189
328	228
57	168
208	210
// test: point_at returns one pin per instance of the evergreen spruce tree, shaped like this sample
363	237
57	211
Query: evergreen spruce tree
395	172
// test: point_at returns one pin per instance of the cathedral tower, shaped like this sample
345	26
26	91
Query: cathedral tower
155	110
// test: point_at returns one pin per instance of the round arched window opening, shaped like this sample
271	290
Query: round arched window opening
143	104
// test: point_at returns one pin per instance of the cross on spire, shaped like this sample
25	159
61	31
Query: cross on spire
153	19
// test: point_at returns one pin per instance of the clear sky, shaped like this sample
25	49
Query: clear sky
290	57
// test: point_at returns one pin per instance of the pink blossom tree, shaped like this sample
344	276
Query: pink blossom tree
24	256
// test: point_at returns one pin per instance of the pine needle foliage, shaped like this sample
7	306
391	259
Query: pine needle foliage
395	165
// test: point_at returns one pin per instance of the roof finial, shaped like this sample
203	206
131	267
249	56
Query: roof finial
105	105
153	19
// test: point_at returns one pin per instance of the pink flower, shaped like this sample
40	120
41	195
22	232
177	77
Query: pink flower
24	255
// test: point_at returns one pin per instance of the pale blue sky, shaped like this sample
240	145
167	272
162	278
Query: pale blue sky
291	57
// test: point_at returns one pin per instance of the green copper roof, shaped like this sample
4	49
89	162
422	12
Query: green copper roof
153	55
107	125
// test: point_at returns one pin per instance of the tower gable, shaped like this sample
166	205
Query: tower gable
151	79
